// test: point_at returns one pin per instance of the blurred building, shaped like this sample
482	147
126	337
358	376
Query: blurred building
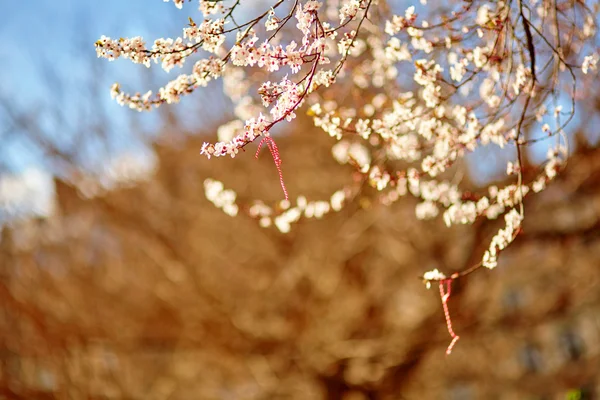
149	292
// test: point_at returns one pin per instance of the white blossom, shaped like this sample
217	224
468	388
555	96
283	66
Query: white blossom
590	63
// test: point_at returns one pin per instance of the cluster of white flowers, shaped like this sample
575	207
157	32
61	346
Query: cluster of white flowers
346	152
284	215
503	238
522	79
254	128
589	27
399	23
349	9
556	157
590	63
204	71
433	275
209	34
132	48
221	197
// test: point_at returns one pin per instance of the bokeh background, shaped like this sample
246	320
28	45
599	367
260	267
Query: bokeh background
119	280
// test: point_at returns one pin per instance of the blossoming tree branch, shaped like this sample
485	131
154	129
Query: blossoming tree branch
437	80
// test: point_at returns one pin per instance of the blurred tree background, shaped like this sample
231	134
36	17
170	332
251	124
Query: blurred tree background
119	280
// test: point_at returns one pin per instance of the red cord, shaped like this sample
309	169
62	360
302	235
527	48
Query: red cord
276	159
445	297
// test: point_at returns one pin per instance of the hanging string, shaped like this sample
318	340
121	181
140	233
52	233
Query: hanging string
445	295
276	159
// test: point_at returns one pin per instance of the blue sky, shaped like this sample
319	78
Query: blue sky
49	59
64	32
48	62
